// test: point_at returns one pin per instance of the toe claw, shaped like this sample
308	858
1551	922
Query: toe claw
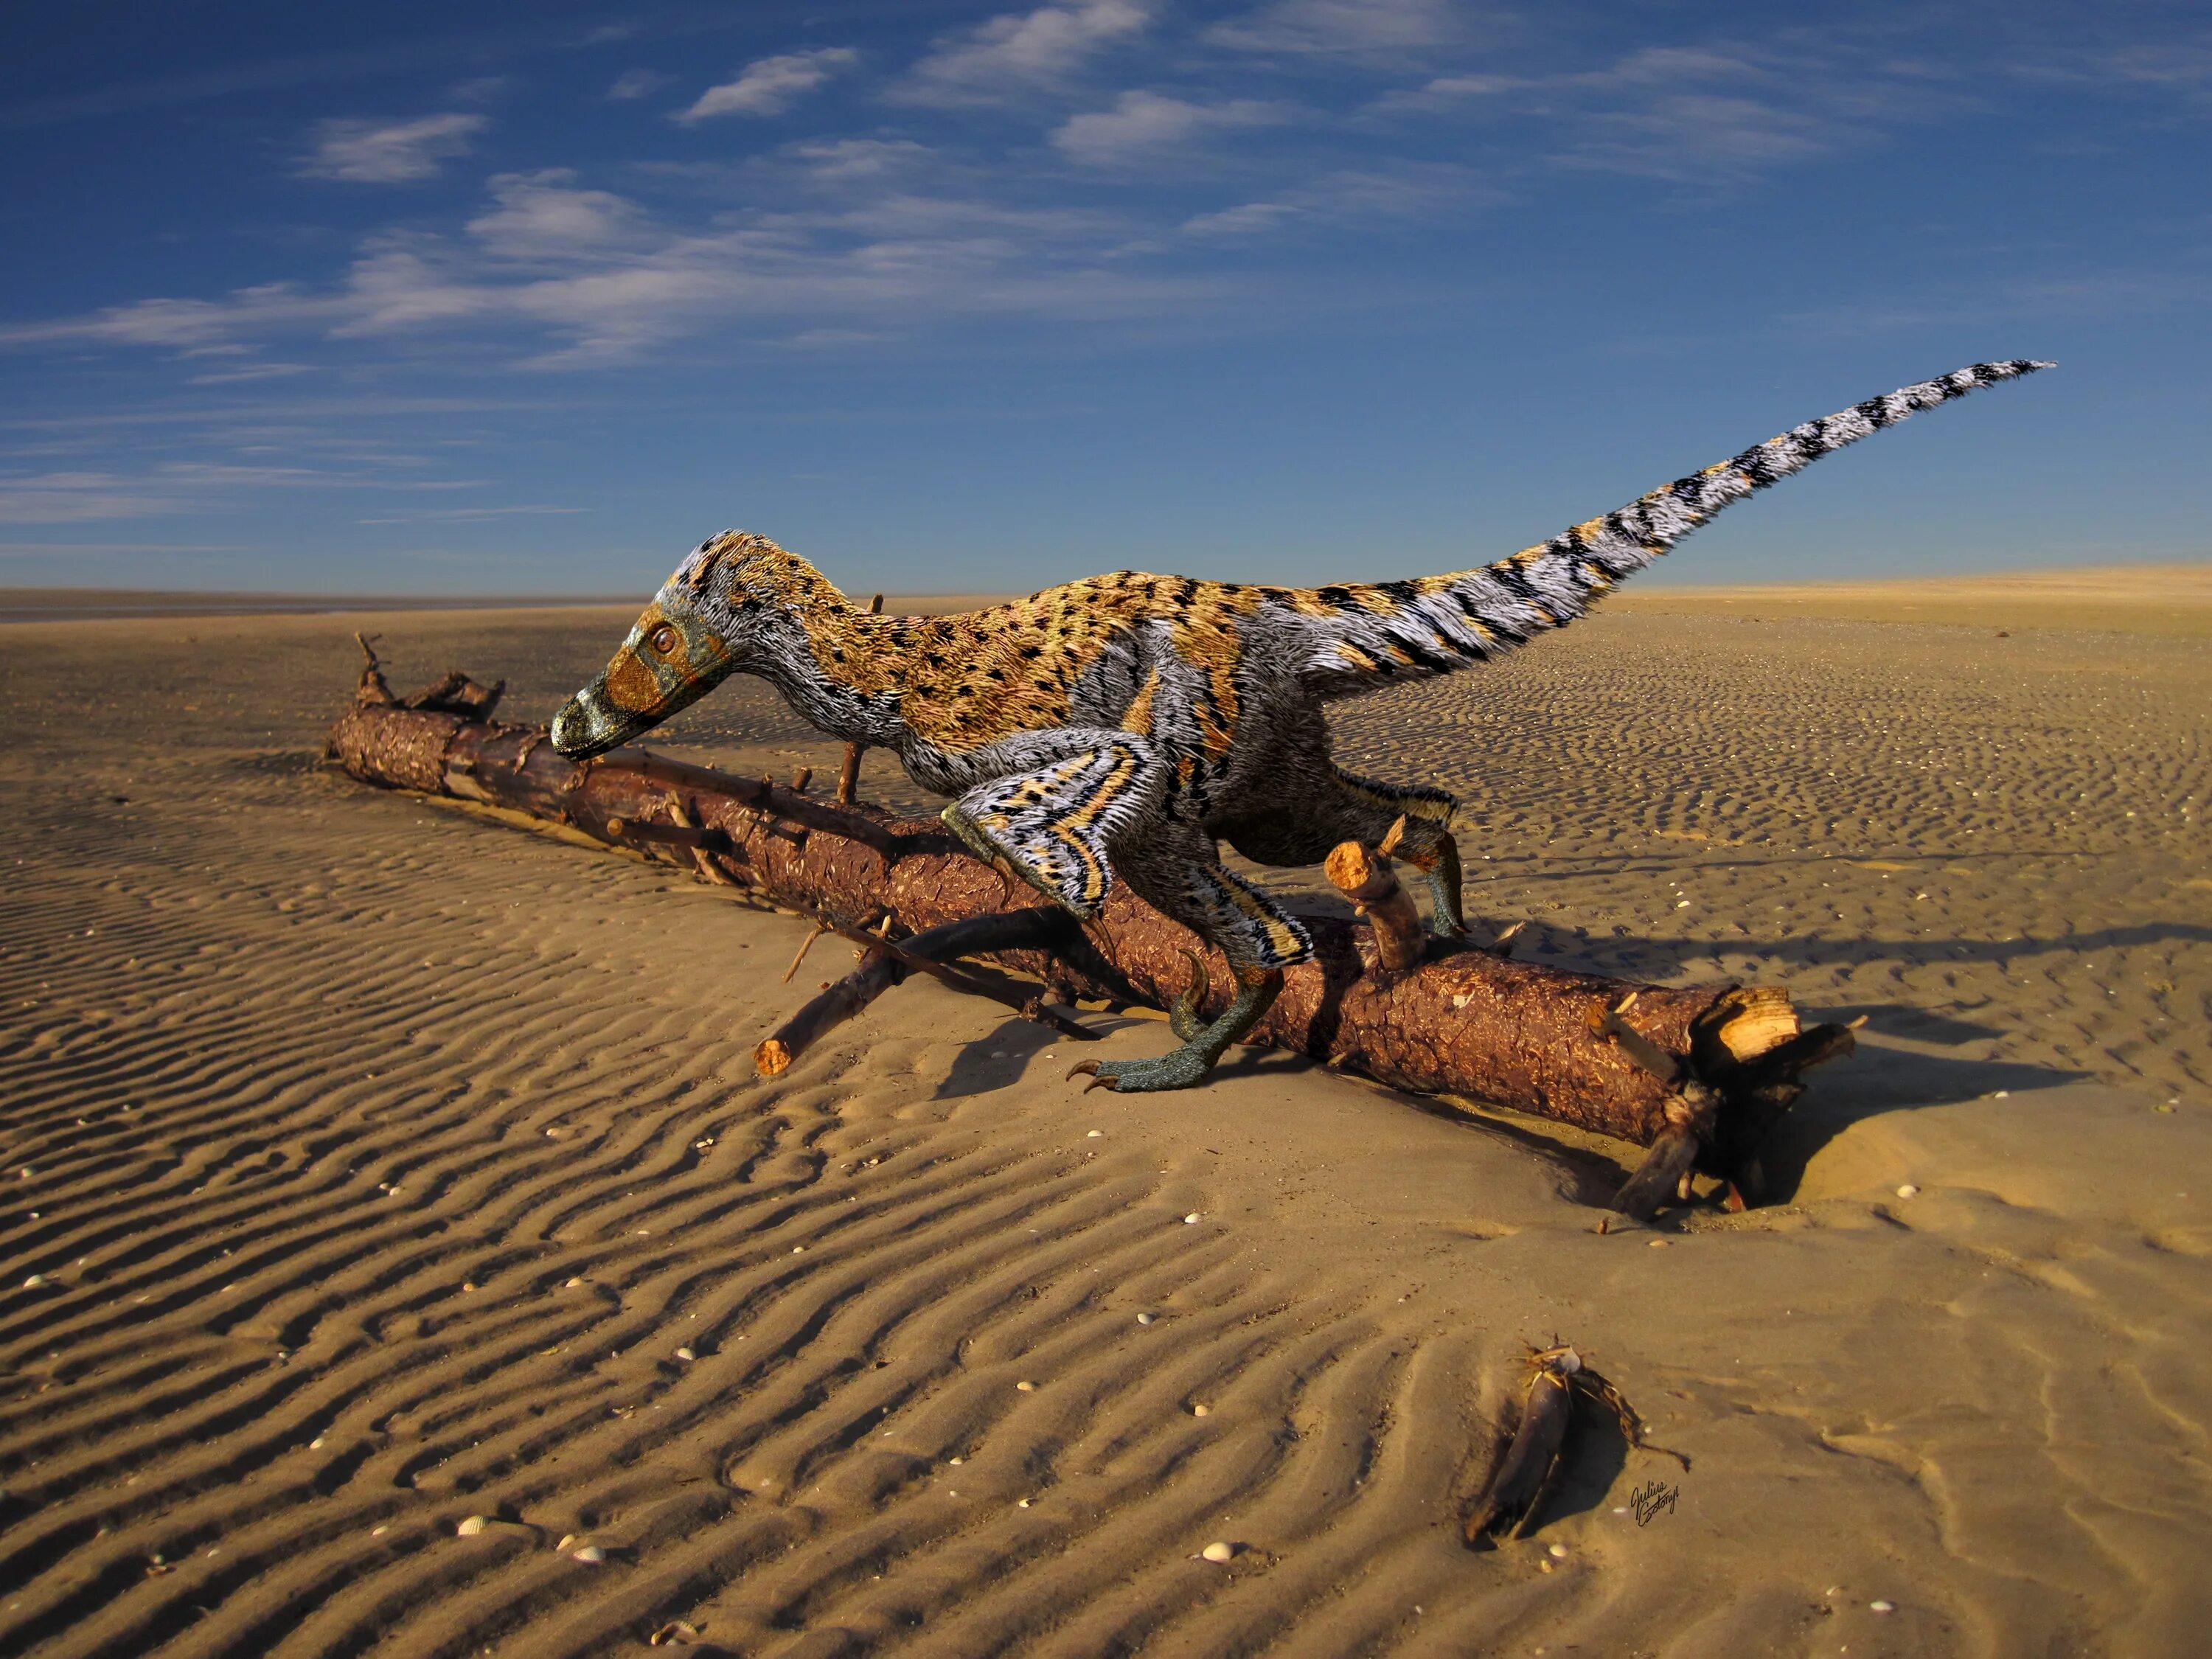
1082	1067
1100	1082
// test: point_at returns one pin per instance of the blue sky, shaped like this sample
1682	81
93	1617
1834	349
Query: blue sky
510	299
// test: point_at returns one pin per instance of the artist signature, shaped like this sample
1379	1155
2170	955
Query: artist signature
1651	1498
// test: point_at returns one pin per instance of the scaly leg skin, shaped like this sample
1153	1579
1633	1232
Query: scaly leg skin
1256	988
1440	864
1183	1016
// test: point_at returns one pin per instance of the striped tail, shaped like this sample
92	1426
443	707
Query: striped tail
1393	631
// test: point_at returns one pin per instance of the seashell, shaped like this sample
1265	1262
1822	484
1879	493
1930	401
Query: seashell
1094	1134
1145	1318
686	1355
1197	1410
1026	1386
1908	1191
471	1526
1191	1220
567	1538
35	1282
1882	1607
574	1285
675	1631
591	1555
1218	1550
1558	1552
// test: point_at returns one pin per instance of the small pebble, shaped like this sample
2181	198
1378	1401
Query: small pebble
1026	1386
471	1526
1658	1244
1882	1607
1023	1504
378	1532
1908	1191
1094	1134
468	1285
591	1555
1197	1410
316	1444
1218	1550
686	1355
2002	1094
1191	1220
1145	1318
574	1284
955	1462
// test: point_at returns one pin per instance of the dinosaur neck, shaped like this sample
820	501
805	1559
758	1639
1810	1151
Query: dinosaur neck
845	668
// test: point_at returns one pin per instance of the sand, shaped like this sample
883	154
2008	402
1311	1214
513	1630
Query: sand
378	1166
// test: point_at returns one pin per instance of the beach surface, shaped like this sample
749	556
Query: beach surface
401	1257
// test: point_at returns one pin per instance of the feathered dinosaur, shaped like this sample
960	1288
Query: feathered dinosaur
1123	725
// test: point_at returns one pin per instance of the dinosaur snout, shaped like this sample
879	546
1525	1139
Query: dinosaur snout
584	728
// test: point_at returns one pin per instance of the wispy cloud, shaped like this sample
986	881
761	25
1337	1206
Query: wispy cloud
472	514
595	279
390	152
77	498
1341	26
1410	194
175	487
542	216
859	158
771	85
1022	52
637	83
1143	125
1688	113
275	371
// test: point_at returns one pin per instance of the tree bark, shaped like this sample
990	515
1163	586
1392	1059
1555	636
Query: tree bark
1470	1023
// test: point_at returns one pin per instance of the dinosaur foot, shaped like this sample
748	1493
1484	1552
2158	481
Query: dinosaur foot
1184	1068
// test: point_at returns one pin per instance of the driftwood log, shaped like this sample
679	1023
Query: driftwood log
1698	1073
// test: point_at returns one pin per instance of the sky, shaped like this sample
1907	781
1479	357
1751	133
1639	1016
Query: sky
514	299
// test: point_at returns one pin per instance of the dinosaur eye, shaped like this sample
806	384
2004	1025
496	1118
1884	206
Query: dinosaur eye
663	639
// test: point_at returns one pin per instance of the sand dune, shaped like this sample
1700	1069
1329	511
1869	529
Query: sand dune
380	1167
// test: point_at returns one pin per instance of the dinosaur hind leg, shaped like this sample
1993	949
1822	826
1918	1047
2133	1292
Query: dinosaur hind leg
1176	872
1425	842
1342	807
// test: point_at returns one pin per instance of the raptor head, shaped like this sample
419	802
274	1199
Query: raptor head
712	618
